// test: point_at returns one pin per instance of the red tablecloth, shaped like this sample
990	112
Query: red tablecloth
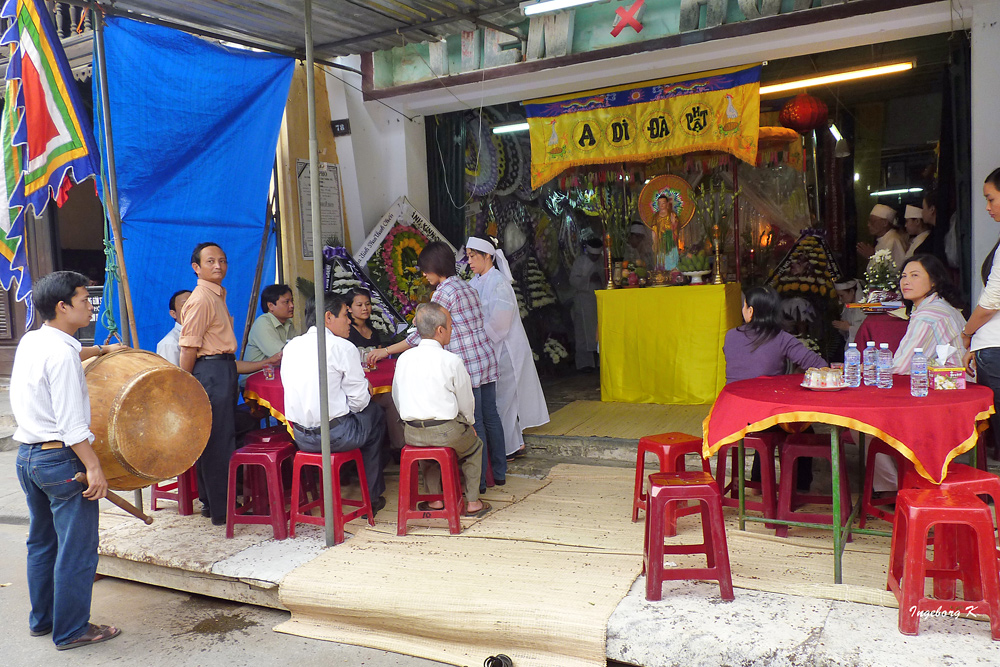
929	431
881	328
271	393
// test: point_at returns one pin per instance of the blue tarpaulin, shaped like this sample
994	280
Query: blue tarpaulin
195	126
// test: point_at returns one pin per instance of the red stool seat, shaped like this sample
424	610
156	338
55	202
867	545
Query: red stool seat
811	445
301	513
271	436
873	506
960	478
409	493
963	522
270	460
764	444
670	449
666	488
184	490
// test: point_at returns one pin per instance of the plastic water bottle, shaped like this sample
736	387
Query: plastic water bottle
883	367
918	373
869	364
852	366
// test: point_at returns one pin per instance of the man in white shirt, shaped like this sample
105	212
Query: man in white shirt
356	422
169	346
880	224
433	393
49	398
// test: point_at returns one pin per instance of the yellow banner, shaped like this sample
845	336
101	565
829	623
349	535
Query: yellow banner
718	110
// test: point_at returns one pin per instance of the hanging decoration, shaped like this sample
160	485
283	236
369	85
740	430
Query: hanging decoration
48	143
717	110
804	113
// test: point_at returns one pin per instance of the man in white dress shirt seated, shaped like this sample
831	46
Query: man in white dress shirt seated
169	346
356	422
433	393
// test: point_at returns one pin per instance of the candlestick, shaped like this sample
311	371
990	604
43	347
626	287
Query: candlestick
607	257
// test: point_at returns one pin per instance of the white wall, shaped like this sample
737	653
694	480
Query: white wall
985	136
383	158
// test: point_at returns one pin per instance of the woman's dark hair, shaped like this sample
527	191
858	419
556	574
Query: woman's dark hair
59	286
350	294
333	303
984	271
940	280
271	294
766	321
437	258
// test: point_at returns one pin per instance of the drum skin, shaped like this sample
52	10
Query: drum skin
150	419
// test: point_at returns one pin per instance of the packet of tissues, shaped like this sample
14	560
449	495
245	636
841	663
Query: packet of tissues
946	372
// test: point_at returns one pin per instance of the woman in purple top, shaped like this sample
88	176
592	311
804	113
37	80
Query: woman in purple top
760	347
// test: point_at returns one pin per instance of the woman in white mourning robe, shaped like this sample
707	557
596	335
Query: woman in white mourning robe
520	401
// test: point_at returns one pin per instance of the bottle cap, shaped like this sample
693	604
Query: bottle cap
871	343
852	345
883	346
918	349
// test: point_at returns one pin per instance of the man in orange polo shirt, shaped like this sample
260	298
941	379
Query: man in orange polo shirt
208	351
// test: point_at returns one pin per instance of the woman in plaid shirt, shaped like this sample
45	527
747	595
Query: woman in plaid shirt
470	342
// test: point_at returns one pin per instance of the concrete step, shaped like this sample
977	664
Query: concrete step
617	450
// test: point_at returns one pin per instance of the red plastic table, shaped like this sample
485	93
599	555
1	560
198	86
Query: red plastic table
271	393
881	328
929	431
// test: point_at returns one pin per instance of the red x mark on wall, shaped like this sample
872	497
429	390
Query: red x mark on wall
628	16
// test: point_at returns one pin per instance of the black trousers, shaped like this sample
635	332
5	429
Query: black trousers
363	430
219	378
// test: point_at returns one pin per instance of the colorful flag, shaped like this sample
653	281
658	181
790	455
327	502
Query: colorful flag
717	111
48	144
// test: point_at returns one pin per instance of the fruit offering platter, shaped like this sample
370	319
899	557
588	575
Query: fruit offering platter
691	262
824	379
634	274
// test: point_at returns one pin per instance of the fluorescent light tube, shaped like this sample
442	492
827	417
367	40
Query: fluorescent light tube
513	127
827	79
545	6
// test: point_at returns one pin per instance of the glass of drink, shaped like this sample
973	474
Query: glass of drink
268	372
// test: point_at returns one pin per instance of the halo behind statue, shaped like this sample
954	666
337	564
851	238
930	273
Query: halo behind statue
677	191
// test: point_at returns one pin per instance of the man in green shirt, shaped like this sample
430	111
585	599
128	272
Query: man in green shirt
274	328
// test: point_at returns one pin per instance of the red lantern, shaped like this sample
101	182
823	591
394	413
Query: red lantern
804	113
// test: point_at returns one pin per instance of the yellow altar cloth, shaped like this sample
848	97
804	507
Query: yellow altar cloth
664	344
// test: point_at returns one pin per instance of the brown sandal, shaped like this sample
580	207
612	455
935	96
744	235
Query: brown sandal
94	635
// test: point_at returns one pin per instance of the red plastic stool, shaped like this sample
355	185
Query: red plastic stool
301	513
670	449
270	460
966	522
666	488
812	445
960	478
764	444
270	436
873	506
409	493
184	490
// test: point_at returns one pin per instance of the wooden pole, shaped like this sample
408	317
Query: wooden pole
255	291
111	187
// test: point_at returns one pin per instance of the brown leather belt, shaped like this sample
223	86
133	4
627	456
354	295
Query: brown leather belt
51	444
424	423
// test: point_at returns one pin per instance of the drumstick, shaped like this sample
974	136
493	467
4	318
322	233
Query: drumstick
118	501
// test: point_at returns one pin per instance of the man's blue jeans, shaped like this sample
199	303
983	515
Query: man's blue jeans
489	428
62	541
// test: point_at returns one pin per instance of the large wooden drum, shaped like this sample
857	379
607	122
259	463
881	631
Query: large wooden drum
150	419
